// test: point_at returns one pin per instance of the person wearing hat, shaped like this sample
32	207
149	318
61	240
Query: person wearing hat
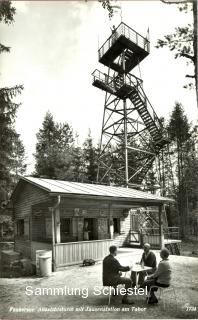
149	260
161	277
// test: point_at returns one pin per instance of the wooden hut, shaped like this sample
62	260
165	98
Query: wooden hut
75	220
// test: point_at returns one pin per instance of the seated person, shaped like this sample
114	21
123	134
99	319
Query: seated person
161	277
149	260
112	272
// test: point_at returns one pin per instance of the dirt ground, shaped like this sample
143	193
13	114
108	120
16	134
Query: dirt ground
189	248
13	294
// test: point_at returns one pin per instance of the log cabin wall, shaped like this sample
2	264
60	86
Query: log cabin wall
41	223
76	212
28	196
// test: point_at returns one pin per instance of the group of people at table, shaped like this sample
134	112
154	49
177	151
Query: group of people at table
149	273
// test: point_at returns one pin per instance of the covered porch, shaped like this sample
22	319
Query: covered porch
108	223
78	221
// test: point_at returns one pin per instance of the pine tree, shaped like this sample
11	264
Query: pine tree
54	150
191	182
8	109
18	161
179	133
90	159
78	164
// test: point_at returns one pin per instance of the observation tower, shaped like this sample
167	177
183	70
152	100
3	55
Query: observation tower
132	135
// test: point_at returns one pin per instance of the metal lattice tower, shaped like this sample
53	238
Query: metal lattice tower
132	135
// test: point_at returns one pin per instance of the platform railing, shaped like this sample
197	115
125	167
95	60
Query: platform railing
169	232
129	33
101	76
130	79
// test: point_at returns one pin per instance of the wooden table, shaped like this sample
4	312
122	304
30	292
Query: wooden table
137	268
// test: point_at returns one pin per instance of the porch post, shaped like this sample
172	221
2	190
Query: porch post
53	241
111	221
161	233
1	230
57	225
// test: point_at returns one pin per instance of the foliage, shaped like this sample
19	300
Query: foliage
54	149
78	164
107	5
184	40
90	154
58	158
7	13
179	131
11	163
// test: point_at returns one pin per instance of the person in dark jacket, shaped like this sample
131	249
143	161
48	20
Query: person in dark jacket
112	272
149	260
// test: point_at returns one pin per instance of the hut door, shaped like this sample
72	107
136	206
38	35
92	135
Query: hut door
90	225
134	222
134	234
116	226
103	232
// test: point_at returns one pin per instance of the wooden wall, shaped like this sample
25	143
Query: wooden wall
28	196
79	209
39	246
75	252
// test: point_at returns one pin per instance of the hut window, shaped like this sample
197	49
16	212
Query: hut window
20	228
65	226
116	225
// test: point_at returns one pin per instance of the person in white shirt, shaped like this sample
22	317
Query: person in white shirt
161	277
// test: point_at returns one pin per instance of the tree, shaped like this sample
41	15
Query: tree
54	150
107	5
179	133
184	41
7	13
8	109
191	180
18	162
78	164
90	155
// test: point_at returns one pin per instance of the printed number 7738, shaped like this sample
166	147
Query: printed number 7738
191	308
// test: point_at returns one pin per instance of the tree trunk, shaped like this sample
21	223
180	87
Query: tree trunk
195	44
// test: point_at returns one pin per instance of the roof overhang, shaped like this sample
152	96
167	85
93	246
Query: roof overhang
134	201
145	199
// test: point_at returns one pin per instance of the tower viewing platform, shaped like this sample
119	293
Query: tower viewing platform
117	85
124	38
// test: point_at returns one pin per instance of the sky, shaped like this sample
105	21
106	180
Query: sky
54	48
